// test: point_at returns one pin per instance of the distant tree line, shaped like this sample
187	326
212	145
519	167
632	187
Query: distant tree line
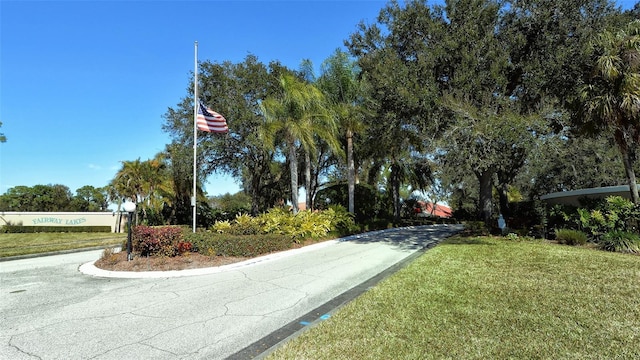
53	198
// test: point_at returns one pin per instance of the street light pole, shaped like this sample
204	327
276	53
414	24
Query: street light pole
130	208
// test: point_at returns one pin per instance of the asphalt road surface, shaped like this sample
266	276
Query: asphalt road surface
51	310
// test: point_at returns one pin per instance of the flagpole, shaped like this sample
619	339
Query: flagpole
195	132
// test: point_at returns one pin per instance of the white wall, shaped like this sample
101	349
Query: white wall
111	219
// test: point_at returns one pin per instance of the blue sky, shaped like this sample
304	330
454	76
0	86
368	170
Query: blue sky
84	84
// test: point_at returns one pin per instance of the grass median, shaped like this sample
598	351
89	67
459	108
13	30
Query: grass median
489	298
26	244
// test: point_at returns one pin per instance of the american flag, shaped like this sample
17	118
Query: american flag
210	121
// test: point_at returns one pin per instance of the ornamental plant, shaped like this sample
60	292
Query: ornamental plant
304	225
221	227
621	241
571	237
244	224
614	214
148	240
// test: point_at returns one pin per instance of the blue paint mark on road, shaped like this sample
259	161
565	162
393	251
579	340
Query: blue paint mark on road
323	317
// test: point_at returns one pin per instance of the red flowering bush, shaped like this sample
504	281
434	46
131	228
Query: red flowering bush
147	240
184	247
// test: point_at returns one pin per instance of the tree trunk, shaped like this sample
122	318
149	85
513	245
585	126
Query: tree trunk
485	205
395	189
293	166
307	179
351	172
503	191
631	175
254	192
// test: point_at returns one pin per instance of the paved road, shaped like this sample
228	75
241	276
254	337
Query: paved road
50	310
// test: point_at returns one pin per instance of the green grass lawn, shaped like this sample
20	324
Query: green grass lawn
23	244
488	298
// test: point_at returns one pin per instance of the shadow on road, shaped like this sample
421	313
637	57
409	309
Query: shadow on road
407	238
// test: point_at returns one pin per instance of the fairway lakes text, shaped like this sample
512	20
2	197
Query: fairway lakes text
58	221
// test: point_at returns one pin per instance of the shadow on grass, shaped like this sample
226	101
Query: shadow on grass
407	238
462	240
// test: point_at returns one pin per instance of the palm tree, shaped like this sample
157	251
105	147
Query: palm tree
297	114
339	81
147	183
2	137
157	183
610	101
127	184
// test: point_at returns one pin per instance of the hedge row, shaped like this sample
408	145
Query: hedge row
15	229
212	244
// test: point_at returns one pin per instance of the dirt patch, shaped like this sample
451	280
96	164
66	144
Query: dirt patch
118	262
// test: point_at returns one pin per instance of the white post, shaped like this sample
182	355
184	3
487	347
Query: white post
195	133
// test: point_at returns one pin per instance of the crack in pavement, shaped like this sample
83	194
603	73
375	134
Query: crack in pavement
10	343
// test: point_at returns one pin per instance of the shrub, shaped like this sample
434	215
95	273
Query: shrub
621	241
109	256
183	247
563	217
275	221
221	227
512	237
475	228
615	213
527	216
342	220
212	244
312	225
571	237
148	240
304	225
244	224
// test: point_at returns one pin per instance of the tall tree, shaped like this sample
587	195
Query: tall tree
569	162
127	183
3	138
474	86
339	80
320	155
492	61
89	198
147	183
398	64
546	41
236	91
610	100
296	114
180	163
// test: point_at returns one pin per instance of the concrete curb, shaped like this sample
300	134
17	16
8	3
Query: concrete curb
90	269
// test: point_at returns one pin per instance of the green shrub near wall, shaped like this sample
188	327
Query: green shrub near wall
20	229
